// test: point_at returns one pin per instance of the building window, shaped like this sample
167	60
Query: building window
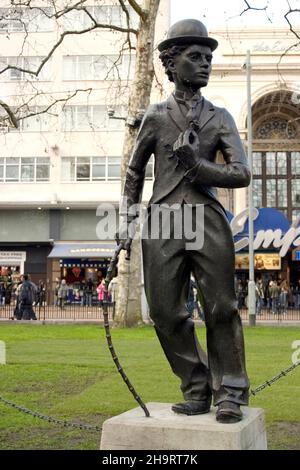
39	122
275	127
95	169
83	169
98	168
12	169
296	192
257	193
114	168
31	20
98	67
77	20
28	63
295	163
257	163
91	118
276	181
24	169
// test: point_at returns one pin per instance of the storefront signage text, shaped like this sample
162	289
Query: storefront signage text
262	261
9	257
265	238
277	46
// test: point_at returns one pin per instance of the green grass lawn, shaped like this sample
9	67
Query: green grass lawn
66	371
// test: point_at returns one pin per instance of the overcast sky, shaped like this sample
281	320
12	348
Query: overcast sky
217	12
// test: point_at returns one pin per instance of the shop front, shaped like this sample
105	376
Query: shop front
11	265
79	264
267	265
274	245
78	270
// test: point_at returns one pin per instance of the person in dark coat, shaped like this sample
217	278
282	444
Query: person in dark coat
2	294
41	294
184	134
27	297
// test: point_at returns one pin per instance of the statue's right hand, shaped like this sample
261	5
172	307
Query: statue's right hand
186	148
125	235
125	245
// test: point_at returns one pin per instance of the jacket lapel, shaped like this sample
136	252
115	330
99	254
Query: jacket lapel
207	113
175	114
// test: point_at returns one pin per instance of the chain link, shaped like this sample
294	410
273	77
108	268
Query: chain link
88	427
59	422
270	382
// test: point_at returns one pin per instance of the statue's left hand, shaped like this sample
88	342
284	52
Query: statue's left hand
186	148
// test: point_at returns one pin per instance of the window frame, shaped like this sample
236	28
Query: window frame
289	177
71	123
19	163
107	161
73	67
29	21
24	63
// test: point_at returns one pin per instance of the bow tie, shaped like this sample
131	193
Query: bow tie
181	98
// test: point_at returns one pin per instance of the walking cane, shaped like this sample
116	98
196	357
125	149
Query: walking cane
110	274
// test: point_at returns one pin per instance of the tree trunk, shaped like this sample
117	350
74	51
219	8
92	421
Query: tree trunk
128	307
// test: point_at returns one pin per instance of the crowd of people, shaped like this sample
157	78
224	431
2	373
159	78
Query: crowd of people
274	295
24	295
87	293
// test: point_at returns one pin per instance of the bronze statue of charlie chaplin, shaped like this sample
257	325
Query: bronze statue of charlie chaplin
184	134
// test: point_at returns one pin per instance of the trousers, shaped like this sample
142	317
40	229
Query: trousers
168	265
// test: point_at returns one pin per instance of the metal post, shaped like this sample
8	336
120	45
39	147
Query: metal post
251	283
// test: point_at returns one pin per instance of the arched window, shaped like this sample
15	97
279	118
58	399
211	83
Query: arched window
276	127
276	156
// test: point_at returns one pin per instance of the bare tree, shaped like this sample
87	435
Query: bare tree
128	311
18	15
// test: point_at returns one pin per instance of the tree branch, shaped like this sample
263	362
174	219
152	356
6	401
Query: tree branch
123	6
297	10
11	115
249	7
58	43
61	100
142	13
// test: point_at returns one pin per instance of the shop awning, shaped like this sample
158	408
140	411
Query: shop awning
268	218
83	250
272	231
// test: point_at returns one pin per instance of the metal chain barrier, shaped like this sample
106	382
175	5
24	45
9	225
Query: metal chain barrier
59	422
270	382
88	427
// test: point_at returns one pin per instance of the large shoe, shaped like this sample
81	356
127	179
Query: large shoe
228	412
192	407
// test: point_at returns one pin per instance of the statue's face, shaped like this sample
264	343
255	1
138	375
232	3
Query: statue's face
193	66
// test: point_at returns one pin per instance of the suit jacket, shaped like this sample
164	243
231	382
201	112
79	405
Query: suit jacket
160	128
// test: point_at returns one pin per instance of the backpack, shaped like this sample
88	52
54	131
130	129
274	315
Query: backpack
26	295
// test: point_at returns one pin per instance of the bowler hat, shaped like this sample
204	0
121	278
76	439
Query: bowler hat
188	32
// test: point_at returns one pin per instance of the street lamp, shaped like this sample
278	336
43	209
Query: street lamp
251	283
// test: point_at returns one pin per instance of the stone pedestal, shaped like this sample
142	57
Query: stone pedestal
165	430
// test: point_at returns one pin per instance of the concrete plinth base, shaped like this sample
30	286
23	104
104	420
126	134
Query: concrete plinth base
165	430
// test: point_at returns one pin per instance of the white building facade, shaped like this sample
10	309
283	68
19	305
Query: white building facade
58	167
